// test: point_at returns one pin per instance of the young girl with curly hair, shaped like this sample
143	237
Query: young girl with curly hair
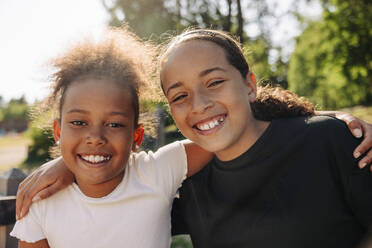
119	198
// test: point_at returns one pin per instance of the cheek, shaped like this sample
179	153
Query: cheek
123	141
179	116
69	136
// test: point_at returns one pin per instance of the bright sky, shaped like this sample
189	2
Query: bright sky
34	31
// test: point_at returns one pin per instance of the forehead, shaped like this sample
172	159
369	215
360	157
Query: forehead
97	94
195	50
189	58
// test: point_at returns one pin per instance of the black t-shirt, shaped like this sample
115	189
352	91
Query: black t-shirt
297	186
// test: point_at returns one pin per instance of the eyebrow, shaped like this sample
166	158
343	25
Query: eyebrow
207	71
87	112
119	113
77	111
173	86
201	74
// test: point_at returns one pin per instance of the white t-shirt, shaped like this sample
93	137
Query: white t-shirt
136	214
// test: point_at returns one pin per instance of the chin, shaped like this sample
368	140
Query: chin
212	148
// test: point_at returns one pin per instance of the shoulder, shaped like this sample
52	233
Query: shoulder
168	164
330	127
316	124
326	122
312	121
31	227
176	148
164	157
57	200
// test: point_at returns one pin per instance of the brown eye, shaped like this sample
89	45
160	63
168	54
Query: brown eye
115	125
178	98
78	123
215	83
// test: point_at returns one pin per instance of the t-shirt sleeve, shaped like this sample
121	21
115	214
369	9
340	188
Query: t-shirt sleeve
357	183
29	228
167	167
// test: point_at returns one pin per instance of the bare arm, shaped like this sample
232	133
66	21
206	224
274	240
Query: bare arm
358	128
48	179
39	244
197	157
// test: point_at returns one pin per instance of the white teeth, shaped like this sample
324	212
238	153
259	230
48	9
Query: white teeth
204	127
211	124
95	158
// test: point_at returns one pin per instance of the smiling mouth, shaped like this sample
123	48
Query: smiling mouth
211	123
94	159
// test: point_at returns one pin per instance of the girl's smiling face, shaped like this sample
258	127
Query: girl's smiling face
209	99
96	132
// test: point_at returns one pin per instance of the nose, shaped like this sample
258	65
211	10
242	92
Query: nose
96	137
201	102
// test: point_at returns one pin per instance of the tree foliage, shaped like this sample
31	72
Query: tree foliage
38	151
15	109
332	62
257	54
14	115
151	18
41	136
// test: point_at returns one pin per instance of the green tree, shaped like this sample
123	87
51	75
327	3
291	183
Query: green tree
154	17
148	17
38	151
331	63
41	136
257	54
16	109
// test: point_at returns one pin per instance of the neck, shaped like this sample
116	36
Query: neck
101	189
252	133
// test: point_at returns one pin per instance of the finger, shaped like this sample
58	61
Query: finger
347	118
22	189
45	193
355	127
34	188
31	177
367	159
363	147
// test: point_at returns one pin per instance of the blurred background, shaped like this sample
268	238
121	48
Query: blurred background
320	49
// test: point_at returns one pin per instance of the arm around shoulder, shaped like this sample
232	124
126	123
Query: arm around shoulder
357	183
197	157
358	128
43	182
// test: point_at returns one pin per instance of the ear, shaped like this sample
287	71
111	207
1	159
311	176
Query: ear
252	84
252	77
138	137
56	129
